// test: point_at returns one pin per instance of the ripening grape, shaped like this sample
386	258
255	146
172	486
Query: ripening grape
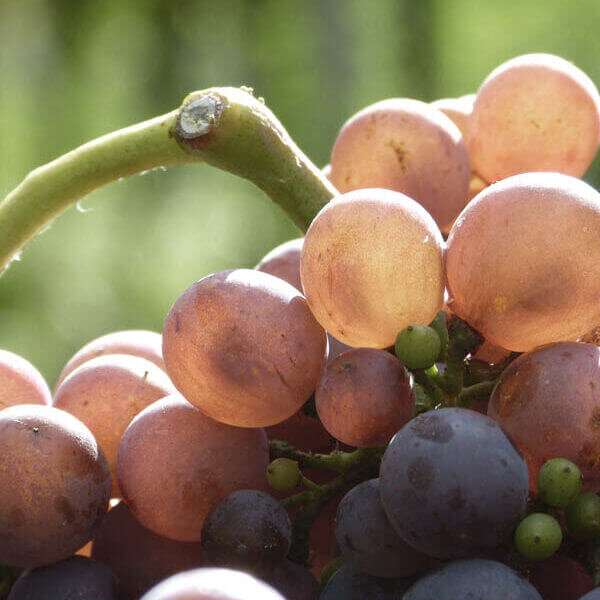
406	146
244	347
560	578
212	584
523	262
54	485
136	342
246	529
284	262
21	382
475	579
349	584
364	397
372	264
452	484
367	540
547	403
106	393
535	112
139	558
70	579
458	110
175	464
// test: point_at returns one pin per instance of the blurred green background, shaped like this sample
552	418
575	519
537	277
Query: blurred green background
71	70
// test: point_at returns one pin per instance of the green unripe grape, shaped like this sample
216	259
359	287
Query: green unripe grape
583	517
441	328
418	346
283	474
559	482
538	536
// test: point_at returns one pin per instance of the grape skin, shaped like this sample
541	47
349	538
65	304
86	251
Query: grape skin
21	382
406	146
348	584
106	393
555	387
458	110
212	584
246	529
372	264
49	451
139	558
475	579
364	397
518	127
523	263
452	484
284	262
244	347
73	578
175	464
134	342
368	541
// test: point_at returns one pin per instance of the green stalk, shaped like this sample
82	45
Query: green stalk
225	127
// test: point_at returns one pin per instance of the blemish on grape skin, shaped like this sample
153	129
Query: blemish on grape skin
432	428
595	419
421	473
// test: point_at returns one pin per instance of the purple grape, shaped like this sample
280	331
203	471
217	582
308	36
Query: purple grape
452	484
368	541
473	579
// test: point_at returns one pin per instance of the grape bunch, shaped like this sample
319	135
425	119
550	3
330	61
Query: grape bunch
404	404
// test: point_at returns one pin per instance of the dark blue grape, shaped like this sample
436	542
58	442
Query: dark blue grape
76	577
291	580
246	529
452	484
368	541
348	584
474	579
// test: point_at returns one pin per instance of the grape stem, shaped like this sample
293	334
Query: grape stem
225	127
357	466
336	461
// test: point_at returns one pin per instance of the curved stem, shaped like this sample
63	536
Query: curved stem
49	190
225	127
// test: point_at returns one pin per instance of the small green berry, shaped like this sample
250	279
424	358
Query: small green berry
583	517
559	482
538	536
283	474
418	346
